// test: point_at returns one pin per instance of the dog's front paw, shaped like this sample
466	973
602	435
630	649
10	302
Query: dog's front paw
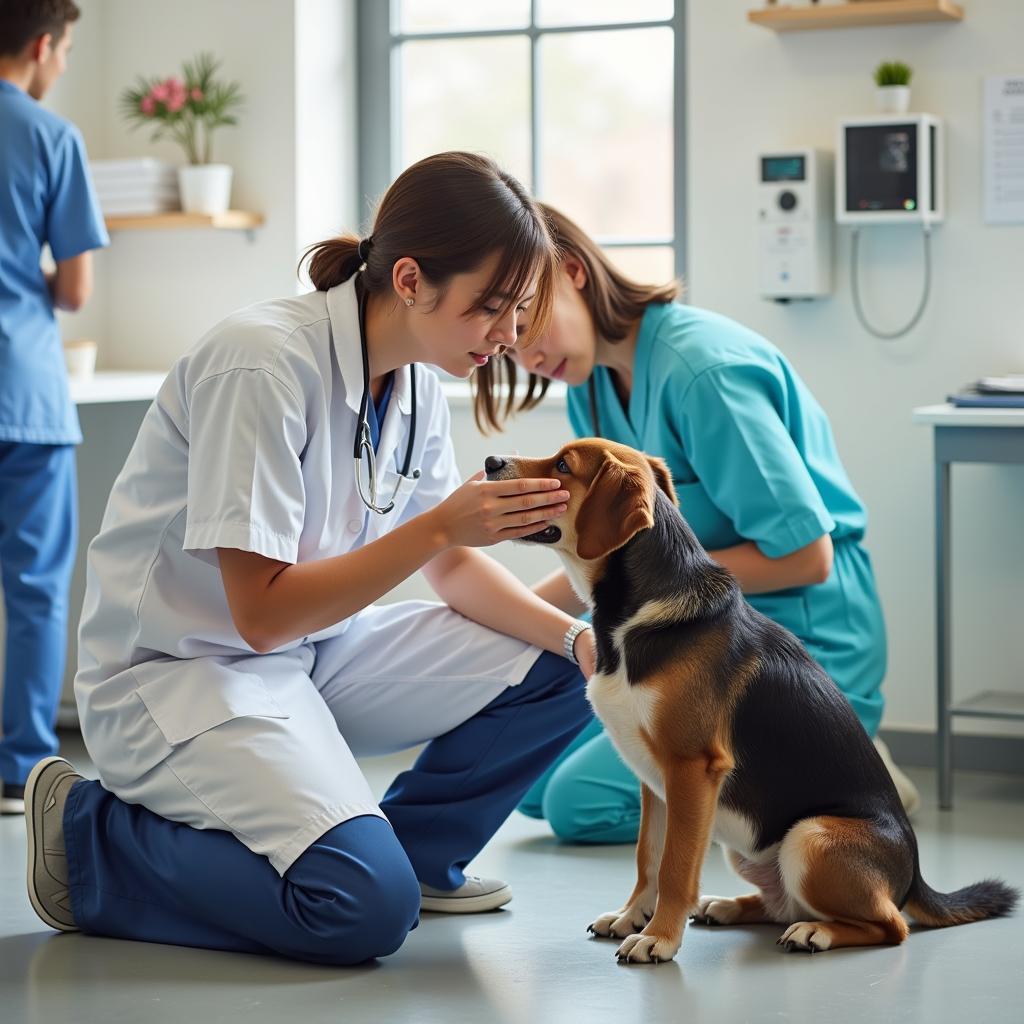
619	923
806	937
648	949
715	910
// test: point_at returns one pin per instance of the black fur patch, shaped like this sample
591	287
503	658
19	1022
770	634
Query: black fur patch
799	748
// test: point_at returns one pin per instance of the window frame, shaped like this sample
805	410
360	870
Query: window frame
379	91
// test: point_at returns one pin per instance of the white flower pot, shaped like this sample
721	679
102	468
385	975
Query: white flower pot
205	188
893	99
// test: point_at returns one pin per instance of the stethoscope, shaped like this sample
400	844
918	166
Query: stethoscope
364	443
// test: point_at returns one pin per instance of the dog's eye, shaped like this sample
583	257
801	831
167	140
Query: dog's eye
562	466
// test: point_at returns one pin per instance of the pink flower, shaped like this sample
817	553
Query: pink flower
176	102
175	85
148	105
160	92
197	94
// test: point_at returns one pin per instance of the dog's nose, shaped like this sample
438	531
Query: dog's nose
493	463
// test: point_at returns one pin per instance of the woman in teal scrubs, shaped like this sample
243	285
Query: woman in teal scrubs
758	478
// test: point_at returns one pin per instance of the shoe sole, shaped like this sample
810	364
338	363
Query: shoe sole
30	789
466	904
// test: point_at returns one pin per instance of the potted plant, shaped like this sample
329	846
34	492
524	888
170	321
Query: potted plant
188	109
892	79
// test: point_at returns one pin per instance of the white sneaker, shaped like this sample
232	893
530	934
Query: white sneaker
909	796
474	896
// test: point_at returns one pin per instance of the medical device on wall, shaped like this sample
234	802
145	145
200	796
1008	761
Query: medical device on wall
795	224
889	170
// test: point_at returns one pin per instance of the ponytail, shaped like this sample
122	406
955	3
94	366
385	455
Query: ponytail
333	262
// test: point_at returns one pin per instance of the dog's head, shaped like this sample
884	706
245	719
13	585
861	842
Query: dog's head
612	491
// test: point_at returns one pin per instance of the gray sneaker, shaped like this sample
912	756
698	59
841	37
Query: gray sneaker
474	896
46	793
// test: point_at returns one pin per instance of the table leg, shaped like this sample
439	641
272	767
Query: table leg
943	665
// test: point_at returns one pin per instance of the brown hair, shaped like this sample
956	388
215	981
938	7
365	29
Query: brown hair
615	302
21	21
449	212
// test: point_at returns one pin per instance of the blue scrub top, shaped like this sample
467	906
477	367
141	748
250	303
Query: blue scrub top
376	411
753	458
46	197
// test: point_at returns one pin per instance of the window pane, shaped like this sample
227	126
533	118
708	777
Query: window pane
471	94
645	264
606	129
601	12
446	16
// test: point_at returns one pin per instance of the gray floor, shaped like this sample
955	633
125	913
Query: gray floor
534	963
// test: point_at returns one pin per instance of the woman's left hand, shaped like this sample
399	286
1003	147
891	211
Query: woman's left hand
586	652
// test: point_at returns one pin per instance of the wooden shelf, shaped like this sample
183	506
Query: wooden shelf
230	220
854	14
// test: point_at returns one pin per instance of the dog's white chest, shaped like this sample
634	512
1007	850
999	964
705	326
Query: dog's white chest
627	713
736	832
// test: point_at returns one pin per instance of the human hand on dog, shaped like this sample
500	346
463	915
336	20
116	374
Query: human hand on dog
483	512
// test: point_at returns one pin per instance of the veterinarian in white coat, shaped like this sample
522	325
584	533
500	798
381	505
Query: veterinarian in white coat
233	665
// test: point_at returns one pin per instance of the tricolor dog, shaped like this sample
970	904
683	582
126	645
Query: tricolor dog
734	731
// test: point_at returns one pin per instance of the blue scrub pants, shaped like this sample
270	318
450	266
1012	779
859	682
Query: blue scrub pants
38	537
353	894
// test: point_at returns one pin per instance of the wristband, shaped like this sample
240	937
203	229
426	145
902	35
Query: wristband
569	640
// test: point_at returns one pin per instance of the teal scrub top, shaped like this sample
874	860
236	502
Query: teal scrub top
46	198
753	458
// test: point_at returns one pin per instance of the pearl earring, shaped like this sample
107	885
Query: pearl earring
409	301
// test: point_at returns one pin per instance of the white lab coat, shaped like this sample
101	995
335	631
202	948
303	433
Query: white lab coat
249	445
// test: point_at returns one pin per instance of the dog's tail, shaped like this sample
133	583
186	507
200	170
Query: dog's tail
988	898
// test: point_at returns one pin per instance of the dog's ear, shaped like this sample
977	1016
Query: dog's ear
618	505
663	477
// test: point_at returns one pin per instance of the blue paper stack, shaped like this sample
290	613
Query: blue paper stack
992	392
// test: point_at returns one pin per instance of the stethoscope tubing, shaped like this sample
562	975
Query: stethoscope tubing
363	442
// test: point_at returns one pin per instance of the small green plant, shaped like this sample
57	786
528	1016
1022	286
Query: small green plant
893	72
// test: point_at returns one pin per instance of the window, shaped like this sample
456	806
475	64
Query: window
582	101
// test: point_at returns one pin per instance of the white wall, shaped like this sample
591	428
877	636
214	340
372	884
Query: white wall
292	153
792	89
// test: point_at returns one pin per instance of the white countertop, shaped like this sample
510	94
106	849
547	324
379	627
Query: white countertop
947	415
142	386
116	386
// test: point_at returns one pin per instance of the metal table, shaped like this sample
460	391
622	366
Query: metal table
963	435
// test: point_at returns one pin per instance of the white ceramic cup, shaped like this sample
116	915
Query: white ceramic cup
80	359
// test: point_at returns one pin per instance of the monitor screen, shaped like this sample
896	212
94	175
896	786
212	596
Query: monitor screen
881	167
782	168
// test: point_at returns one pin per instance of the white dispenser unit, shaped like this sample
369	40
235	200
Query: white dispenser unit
795	215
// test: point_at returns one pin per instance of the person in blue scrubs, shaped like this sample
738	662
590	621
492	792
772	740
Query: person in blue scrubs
45	198
758	477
